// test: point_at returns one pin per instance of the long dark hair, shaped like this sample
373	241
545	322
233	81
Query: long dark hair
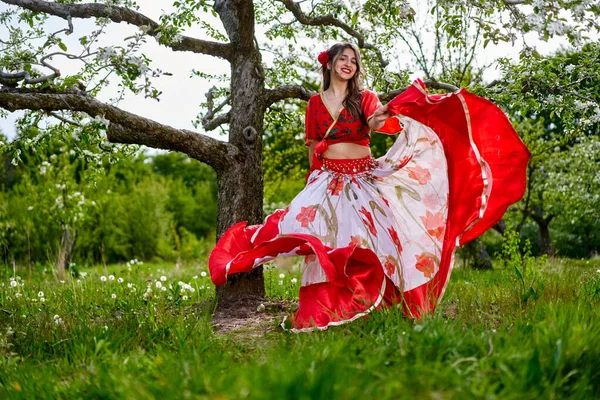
353	99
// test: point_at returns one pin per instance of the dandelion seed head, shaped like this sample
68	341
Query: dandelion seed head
163	278
203	274
120	280
111	277
13	283
114	296
294	281
40	294
103	278
281	276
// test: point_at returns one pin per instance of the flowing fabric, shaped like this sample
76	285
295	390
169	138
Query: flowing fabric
383	232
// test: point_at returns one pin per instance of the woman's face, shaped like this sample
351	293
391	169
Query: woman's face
345	65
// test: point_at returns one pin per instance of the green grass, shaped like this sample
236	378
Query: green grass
483	342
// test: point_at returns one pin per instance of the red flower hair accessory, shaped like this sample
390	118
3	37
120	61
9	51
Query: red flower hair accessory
323	58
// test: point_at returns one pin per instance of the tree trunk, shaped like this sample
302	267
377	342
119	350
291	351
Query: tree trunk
544	236
477	255
543	231
240	195
65	248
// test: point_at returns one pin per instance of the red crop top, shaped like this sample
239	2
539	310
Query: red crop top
345	128
323	128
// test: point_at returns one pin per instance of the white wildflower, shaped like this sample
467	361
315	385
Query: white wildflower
158	284
130	285
294	281
114	296
42	299
111	277
184	297
203	274
103	278
164	289
281	276
13	283
280	283
163	278
120	280
29	208
40	294
260	308
195	277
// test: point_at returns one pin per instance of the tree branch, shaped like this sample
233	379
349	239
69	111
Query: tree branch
513	2
125	127
214	123
330	20
286	92
122	14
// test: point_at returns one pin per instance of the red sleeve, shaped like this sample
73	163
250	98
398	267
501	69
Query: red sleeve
370	103
310	124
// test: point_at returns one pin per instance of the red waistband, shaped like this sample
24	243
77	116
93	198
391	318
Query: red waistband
349	166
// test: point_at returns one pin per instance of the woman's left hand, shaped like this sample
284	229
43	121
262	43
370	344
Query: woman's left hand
379	117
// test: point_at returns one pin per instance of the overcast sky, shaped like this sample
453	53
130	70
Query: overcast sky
179	102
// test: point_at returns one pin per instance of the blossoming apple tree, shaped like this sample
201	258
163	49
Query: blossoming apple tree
292	31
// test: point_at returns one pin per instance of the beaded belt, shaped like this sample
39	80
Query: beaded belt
350	166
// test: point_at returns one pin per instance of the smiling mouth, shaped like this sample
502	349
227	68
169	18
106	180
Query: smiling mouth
346	70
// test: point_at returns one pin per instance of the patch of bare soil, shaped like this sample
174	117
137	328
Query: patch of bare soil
252	316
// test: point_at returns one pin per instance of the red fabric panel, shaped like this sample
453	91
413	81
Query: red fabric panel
453	117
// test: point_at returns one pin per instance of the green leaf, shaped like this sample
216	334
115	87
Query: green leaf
354	19
62	46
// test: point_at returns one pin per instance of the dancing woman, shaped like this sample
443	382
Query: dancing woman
377	232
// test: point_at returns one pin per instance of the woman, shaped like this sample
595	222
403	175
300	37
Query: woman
383	232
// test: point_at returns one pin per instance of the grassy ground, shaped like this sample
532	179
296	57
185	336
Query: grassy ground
494	336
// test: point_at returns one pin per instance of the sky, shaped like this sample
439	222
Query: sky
182	94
